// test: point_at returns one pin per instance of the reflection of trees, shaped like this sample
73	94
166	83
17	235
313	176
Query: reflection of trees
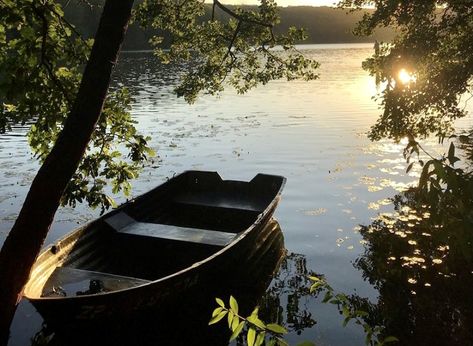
287	298
422	264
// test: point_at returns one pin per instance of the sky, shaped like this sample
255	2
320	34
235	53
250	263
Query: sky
285	2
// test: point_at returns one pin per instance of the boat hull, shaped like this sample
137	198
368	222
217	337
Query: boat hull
239	259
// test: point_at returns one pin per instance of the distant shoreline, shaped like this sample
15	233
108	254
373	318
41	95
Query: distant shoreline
323	24
334	45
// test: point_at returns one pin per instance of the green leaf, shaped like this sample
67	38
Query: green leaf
256	321
218	317
220	302
255	311
282	342
237	330
235	323
217	311
327	297
230	318
111	201
260	338
250	337
316	285
233	304
361	313
276	328
390	339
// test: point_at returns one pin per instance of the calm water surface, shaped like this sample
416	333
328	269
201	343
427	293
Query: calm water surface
314	133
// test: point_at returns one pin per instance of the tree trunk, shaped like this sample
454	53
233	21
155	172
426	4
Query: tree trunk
26	238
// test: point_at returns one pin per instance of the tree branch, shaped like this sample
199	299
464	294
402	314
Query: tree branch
68	24
239	17
230	45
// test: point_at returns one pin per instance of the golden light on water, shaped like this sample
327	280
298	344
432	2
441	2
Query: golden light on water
405	77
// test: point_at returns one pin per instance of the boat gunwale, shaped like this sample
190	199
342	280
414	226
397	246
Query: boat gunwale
239	236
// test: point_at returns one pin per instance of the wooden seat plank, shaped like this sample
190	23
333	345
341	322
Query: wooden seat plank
218	203
125	224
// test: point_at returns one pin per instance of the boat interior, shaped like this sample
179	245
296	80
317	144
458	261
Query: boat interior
179	223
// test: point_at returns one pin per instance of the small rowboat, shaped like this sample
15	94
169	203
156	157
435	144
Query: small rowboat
194	228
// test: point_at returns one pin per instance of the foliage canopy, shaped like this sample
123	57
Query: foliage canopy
41	61
434	42
427	73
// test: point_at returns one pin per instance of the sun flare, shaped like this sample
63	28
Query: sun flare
405	77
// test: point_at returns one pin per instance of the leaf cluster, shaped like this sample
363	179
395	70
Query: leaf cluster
446	189
434	42
374	334
237	47
104	163
41	59
257	331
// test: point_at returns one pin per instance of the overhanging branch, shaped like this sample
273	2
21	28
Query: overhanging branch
239	17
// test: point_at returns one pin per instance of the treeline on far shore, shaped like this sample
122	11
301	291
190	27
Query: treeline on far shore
323	24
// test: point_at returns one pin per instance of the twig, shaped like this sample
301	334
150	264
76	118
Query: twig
69	25
56	81
239	17
44	60
213	11
230	45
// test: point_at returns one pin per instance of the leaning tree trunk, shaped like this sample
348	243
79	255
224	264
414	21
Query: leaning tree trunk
25	239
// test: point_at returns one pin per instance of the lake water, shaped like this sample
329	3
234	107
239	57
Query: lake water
313	133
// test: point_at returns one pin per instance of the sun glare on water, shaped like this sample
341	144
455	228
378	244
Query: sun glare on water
406	77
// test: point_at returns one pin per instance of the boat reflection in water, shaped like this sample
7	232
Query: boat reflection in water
184	320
